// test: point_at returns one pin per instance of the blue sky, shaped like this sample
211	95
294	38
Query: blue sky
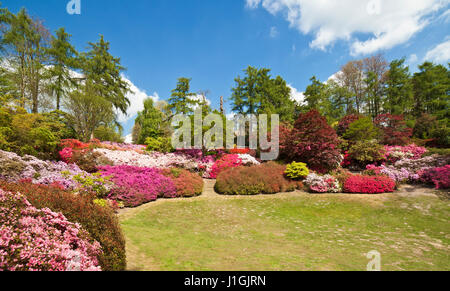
212	41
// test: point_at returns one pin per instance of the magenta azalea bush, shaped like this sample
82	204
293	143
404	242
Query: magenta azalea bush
135	185
226	162
440	177
42	240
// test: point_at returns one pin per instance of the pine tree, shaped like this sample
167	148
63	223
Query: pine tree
62	59
180	100
399	89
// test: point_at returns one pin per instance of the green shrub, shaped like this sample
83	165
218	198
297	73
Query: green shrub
297	171
362	129
437	151
266	178
101	222
366	152
160	144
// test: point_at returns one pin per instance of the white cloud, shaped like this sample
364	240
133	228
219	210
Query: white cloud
387	23
412	59
273	32
297	96
439	54
136	97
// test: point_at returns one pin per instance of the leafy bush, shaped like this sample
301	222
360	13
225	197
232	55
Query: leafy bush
394	129
424	125
42	240
361	130
311	141
160	144
369	184
322	184
225	162
266	178
345	122
101	223
296	171
366	152
187	184
135	186
440	177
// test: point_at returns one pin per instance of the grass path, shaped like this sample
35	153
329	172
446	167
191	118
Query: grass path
290	231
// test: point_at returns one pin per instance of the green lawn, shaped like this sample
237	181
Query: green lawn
289	232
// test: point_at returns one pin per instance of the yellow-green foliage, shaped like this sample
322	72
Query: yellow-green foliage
297	171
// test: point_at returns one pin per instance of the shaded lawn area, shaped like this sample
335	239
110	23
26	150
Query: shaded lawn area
290	232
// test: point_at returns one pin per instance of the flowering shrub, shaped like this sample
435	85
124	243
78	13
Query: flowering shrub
15	168
135	186
311	141
73	144
368	184
101	223
187	184
227	161
395	153
434	161
266	178
395	131
66	154
398	175
440	177
42	240
297	171
322	184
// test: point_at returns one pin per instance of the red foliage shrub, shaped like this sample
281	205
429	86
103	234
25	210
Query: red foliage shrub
311	141
345	122
267	178
368	184
440	177
187	184
100	222
394	129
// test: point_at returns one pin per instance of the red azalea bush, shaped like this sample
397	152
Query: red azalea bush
345	122
135	186
225	162
266	178
100	222
394	129
311	141
42	240
368	184
440	177
187	184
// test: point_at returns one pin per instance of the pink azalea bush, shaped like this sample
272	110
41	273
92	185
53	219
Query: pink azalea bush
440	177
322	184
14	168
395	153
42	240
135	185
398	175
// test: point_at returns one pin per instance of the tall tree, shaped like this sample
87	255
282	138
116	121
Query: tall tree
398	89
432	90
103	74
181	99
62	59
352	77
375	69
25	40
150	122
88	110
259	93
